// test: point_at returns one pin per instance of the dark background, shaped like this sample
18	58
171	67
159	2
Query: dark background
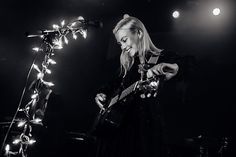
208	105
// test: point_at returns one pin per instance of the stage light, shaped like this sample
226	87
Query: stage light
175	14
216	11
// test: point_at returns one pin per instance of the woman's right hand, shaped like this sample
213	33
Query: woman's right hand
100	99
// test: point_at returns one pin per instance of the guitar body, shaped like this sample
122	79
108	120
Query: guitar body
113	116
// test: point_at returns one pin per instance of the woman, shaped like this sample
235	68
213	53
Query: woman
139	133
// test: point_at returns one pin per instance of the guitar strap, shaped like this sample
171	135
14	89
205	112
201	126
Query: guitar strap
153	59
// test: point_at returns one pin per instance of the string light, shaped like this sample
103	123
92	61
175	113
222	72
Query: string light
32	141
51	61
84	33
57	44
74	36
36	68
36	121
16	141
54	26
63	23
66	40
36	49
80	18
48	71
73	24
7	148
21	124
49	84
40	75
35	95
51	43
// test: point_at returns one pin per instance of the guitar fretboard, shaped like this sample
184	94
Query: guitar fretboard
124	93
128	90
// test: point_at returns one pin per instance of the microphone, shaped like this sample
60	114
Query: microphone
97	24
40	33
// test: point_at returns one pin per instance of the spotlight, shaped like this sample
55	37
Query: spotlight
175	14
216	11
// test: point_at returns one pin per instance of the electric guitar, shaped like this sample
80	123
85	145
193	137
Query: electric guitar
112	116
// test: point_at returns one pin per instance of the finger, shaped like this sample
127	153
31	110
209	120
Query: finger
103	96
149	73
100	98
100	105
155	72
169	76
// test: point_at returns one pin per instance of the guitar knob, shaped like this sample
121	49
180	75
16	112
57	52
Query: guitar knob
149	95
142	96
155	94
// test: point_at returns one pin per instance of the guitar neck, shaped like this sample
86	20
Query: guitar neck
123	94
128	90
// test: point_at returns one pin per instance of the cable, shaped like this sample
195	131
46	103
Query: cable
19	105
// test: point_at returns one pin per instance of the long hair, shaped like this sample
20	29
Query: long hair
145	44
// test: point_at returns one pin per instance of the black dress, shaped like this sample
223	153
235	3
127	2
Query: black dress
141	133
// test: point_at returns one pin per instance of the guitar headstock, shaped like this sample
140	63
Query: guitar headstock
148	87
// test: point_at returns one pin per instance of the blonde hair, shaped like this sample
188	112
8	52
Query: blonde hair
145	44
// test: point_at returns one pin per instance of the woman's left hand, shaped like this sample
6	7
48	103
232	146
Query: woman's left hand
166	69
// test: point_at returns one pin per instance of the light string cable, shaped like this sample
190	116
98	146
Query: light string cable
20	102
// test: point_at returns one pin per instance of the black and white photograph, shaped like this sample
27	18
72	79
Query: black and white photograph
117	78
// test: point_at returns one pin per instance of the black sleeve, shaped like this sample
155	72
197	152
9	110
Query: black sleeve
186	63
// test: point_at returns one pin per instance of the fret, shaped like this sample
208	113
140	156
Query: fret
128	90
113	101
